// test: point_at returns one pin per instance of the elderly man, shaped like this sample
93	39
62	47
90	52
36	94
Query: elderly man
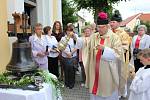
104	51
115	26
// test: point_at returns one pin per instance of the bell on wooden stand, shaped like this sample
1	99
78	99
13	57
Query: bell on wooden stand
21	60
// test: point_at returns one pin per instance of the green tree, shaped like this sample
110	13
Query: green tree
147	25
96	5
68	13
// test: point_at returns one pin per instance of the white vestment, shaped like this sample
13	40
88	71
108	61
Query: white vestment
140	86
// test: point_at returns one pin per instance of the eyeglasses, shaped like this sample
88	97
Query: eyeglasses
38	28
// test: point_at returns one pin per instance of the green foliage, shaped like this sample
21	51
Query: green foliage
135	30
96	5
51	79
68	12
147	25
25	80
87	23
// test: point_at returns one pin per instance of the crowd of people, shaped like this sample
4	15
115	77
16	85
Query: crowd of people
106	53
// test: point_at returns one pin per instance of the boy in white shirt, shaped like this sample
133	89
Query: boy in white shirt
140	86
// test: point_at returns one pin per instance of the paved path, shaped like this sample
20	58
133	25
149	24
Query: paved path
78	92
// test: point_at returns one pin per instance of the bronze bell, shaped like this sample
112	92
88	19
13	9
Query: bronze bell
21	60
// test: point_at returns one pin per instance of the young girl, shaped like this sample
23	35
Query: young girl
140	86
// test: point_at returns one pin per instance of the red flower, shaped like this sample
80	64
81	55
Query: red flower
102	15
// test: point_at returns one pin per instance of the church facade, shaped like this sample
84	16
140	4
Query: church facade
39	11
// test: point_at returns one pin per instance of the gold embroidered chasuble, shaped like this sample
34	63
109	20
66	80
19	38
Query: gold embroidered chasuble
110	71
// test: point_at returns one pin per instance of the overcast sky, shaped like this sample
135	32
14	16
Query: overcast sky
127	9
132	7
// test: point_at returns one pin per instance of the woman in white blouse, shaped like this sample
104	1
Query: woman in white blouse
70	57
139	42
38	46
53	54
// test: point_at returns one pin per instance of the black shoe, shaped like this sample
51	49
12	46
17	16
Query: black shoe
71	86
67	85
123	98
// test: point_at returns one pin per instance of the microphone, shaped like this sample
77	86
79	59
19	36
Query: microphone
47	48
